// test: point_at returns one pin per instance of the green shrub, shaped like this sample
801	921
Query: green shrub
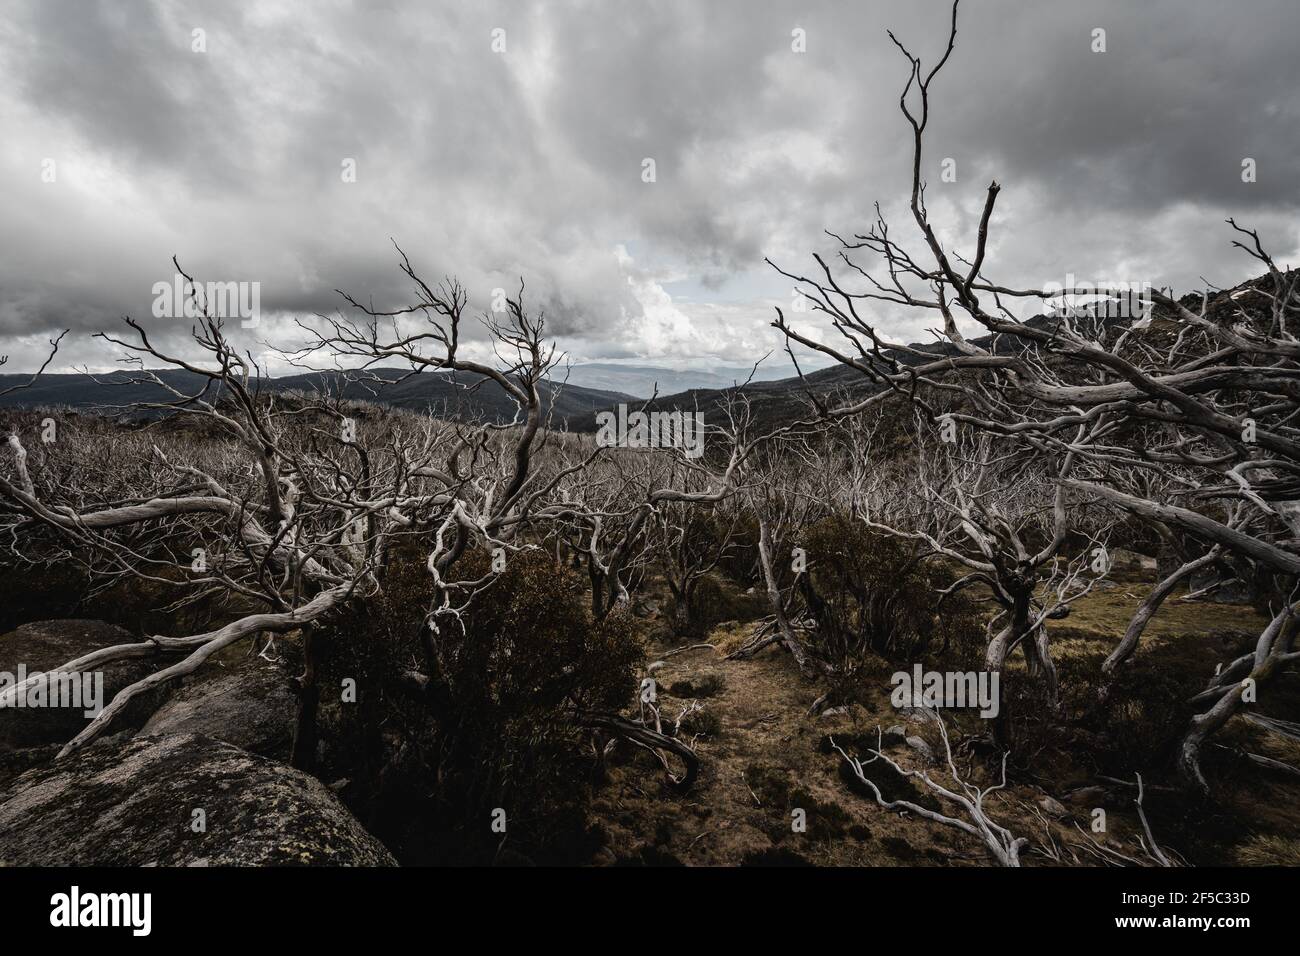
715	600
497	729
875	594
707	685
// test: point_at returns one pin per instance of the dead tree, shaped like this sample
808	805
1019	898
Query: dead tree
608	509
690	541
18	386
779	500
1002	520
279	522
296	504
1202	392
967	797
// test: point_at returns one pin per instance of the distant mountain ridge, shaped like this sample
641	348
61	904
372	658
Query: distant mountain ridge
443	393
590	388
643	380
452	395
786	399
579	390
782	400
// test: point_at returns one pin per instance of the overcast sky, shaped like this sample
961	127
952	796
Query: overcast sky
494	165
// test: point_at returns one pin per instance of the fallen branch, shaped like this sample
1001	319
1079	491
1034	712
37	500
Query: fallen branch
690	647
653	741
999	841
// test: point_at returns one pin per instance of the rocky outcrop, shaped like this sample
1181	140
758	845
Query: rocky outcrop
250	704
1123	561
177	800
44	645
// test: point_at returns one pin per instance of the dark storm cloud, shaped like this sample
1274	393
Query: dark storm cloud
528	163
112	72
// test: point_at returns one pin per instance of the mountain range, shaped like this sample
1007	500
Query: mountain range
644	380
443	393
575	394
587	390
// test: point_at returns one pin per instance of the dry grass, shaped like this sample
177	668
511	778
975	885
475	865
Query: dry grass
1269	851
768	758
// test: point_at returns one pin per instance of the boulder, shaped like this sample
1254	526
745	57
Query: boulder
1234	591
918	715
15	763
921	748
1052	807
1131	562
894	736
44	645
647	608
251	704
134	803
1237	589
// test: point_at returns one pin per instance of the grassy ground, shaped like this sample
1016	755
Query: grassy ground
764	757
